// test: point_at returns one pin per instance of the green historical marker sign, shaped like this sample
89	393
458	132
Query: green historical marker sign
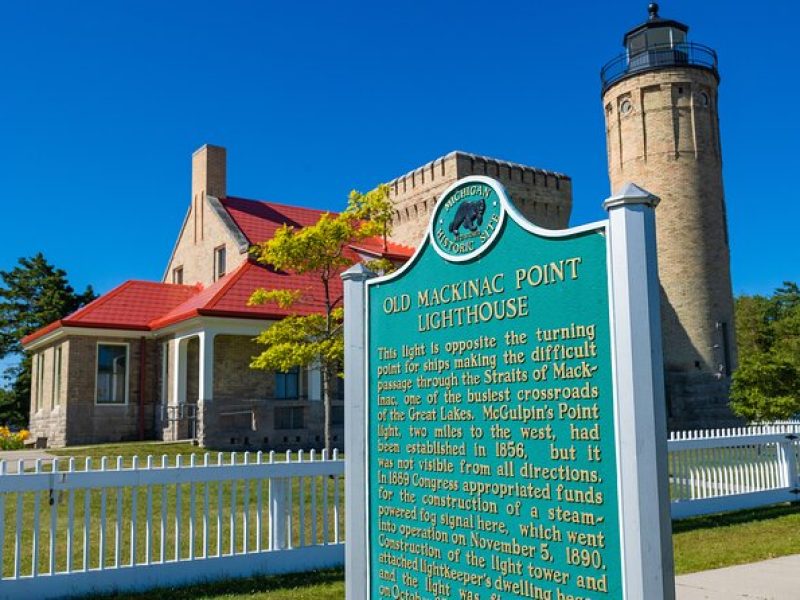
492	467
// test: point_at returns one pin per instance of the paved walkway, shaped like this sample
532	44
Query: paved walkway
776	579
12	458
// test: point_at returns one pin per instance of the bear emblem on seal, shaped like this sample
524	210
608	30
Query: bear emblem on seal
469	215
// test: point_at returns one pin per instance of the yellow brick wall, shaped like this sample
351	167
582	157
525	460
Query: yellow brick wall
203	230
668	143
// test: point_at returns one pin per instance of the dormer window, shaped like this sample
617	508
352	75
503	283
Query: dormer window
177	275
219	263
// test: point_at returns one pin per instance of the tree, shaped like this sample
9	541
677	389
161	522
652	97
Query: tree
33	294
766	386
316	339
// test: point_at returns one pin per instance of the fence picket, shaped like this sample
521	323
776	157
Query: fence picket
206	509
192	509
335	501
178	506
148	557
259	498
301	484
325	502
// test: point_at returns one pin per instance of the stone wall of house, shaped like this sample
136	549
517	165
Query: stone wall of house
543	197
244	411
49	394
78	418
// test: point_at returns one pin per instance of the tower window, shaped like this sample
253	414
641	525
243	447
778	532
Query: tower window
177	275
626	107
219	262
702	99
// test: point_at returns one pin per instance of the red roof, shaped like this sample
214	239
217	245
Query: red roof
375	247
259	220
148	306
228	297
131	305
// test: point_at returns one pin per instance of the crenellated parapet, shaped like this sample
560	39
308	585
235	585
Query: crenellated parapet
544	197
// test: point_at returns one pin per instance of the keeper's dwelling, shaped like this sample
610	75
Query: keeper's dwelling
170	359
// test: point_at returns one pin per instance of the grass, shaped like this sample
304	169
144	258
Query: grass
320	585
723	540
128	450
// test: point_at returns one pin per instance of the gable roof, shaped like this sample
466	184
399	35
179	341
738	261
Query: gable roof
149	306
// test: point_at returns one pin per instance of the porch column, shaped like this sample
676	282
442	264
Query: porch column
205	401
206	366
179	360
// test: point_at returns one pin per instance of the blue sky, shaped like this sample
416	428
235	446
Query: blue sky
102	104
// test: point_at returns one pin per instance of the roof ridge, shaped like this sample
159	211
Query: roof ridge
169	283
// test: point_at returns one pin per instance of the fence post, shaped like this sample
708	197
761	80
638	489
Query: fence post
355	480
277	512
788	459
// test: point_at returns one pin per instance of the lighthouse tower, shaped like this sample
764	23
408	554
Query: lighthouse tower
662	133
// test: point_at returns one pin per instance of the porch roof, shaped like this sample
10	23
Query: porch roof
149	306
130	306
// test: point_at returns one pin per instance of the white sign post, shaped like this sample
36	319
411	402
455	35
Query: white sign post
639	418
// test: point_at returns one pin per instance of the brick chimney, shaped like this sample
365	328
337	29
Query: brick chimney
208	179
208	172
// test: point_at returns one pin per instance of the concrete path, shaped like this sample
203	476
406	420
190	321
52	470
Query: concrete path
776	579
12	458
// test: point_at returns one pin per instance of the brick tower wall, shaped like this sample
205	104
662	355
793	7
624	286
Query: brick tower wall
663	134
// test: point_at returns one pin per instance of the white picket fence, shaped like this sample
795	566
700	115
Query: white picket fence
730	469
71	531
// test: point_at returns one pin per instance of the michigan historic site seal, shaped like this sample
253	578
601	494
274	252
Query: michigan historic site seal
468	218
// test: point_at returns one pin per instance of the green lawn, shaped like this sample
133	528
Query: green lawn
321	585
729	539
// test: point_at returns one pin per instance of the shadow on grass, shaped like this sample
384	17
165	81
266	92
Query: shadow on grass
234	587
736	518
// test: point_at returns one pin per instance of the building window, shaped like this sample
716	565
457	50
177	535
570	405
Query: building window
338	388
289	417
337	416
39	374
177	275
219	262
112	374
55	391
287	384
